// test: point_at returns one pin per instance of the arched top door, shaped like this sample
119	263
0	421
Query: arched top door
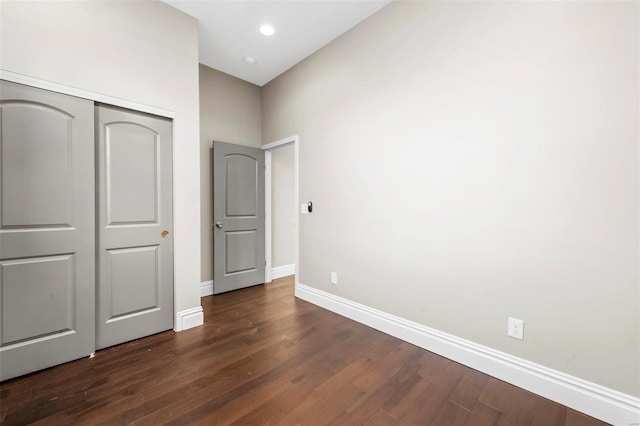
238	215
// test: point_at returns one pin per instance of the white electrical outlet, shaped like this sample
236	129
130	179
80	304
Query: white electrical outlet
334	278
515	328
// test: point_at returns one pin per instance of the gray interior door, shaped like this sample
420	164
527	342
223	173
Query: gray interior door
135	225
47	276
238	215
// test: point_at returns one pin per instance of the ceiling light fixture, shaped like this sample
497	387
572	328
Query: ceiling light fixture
267	30
249	60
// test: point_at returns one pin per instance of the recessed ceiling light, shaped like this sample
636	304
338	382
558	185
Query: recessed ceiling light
249	60
267	30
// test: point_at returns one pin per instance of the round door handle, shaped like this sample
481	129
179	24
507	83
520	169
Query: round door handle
219	225
165	234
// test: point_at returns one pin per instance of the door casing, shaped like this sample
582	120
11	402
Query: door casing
269	148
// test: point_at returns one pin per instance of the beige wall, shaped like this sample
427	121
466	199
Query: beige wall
230	111
283	210
143	52
470	161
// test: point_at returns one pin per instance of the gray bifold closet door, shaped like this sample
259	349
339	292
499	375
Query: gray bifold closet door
135	225
47	229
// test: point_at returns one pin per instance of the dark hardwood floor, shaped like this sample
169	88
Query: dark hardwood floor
264	357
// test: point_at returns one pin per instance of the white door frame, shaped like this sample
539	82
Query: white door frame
268	148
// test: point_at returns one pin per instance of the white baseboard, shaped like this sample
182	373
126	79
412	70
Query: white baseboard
206	288
189	318
597	401
283	271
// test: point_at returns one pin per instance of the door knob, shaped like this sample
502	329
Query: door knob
165	234
219	225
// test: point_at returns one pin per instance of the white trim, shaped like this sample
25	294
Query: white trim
280	143
283	271
296	200
79	93
206	288
189	318
598	401
267	217
267	200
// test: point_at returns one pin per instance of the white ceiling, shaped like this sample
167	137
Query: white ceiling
229	31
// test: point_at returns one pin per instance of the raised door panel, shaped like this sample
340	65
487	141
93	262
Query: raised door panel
132	280
43	198
37	295
132	174
241	183
241	251
47	229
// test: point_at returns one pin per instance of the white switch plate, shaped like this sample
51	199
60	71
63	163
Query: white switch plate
334	278
304	208
515	328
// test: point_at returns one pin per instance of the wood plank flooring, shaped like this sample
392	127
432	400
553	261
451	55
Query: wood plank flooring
264	357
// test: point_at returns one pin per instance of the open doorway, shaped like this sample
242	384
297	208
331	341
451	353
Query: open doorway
281	201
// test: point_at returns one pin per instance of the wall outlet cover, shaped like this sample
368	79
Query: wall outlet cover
515	328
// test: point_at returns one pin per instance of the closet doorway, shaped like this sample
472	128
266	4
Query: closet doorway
85	222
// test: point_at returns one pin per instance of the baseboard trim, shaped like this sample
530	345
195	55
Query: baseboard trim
206	288
189	318
283	271
597	401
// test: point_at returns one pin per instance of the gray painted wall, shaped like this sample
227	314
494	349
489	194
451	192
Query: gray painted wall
230	111
470	161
